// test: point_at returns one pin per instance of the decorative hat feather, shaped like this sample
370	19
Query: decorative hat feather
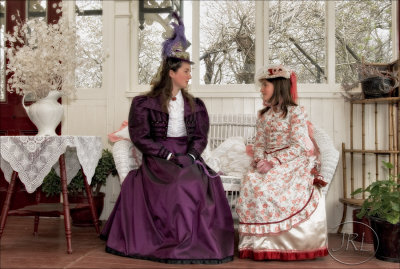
176	45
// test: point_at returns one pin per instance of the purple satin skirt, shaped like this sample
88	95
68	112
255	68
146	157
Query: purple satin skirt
171	214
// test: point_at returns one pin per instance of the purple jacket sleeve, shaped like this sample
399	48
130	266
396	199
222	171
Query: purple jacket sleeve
139	130
198	140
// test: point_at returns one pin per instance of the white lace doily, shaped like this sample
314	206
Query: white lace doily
34	156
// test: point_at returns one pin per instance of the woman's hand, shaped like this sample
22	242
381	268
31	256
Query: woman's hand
264	166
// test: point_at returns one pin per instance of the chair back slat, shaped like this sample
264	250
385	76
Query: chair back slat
225	126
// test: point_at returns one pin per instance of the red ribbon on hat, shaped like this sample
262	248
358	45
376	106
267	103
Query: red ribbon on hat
293	87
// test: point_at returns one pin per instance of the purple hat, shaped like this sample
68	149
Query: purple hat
175	46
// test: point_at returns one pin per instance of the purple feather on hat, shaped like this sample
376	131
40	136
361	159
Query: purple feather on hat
174	46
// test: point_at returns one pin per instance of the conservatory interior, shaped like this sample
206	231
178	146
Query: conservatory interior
330	45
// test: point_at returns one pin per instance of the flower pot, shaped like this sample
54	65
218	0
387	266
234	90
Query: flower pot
364	233
45	113
376	87
81	214
389	240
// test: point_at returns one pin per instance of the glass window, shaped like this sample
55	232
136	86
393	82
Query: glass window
36	9
297	38
155	29
89	25
150	40
363	32
2	60
227	42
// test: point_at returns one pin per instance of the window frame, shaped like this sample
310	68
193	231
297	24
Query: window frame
328	89
107	19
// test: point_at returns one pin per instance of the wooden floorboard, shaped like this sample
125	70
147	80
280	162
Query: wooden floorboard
20	249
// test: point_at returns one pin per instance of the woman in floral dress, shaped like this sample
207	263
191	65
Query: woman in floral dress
281	209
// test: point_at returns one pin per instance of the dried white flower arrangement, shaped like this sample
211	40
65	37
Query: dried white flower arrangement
41	57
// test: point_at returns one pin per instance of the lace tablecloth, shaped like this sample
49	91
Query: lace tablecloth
34	156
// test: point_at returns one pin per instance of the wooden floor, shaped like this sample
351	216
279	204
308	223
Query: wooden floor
20	249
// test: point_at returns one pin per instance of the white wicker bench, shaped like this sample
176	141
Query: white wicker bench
223	126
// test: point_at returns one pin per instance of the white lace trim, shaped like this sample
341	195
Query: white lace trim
34	156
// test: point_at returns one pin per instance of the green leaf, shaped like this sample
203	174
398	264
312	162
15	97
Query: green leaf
395	206
393	219
388	165
362	212
359	190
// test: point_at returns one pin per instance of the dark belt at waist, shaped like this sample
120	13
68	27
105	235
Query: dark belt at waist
269	152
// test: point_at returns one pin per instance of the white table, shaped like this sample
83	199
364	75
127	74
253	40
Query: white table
32	157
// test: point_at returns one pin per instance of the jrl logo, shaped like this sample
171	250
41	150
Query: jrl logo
348	245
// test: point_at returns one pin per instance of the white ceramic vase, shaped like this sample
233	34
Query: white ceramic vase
45	113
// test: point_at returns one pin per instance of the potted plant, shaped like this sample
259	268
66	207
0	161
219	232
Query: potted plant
81	215
383	210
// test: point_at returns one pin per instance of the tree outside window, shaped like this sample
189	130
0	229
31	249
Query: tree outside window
150	40
297	38
89	24
227	42
153	35
363	32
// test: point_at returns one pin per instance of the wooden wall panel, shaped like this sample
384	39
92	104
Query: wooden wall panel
86	117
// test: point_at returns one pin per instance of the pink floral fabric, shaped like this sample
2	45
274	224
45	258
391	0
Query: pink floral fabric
283	197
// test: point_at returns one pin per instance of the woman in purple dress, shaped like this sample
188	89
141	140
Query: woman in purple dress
173	208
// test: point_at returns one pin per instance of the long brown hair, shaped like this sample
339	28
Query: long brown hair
281	98
163	86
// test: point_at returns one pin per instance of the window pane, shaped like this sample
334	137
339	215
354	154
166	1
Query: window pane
297	38
150	40
152	36
36	9
89	25
2	62
227	42
87	6
363	31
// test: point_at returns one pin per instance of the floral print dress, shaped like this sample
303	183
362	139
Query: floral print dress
281	212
